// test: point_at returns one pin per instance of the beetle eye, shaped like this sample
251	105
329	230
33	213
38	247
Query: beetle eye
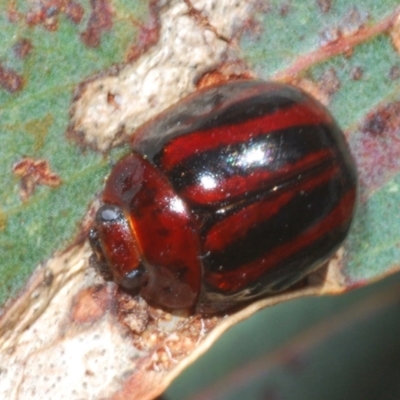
109	214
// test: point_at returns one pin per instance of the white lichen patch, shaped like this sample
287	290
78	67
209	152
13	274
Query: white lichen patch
34	320
114	104
78	367
45	354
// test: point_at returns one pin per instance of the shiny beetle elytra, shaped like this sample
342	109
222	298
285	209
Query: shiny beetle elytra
236	192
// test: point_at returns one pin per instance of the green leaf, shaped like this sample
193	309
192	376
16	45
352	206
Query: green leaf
34	120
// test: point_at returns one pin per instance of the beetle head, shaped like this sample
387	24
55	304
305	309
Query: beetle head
115	249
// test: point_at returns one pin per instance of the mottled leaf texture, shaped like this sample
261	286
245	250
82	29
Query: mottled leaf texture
77	77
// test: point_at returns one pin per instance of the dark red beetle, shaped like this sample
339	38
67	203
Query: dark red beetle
234	193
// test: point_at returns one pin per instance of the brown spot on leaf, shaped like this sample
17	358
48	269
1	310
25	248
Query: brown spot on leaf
386	119
252	25
22	48
44	13
374	125
100	21
32	173
329	82
47	12
284	9
12	13
378	146
74	11
356	73
394	73
149	33
324	5
253	28
91	304
10	80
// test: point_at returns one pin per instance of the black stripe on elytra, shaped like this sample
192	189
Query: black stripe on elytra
284	147
216	108
288	270
246	109
207	216
302	212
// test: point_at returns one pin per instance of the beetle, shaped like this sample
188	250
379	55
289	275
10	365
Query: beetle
236	192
